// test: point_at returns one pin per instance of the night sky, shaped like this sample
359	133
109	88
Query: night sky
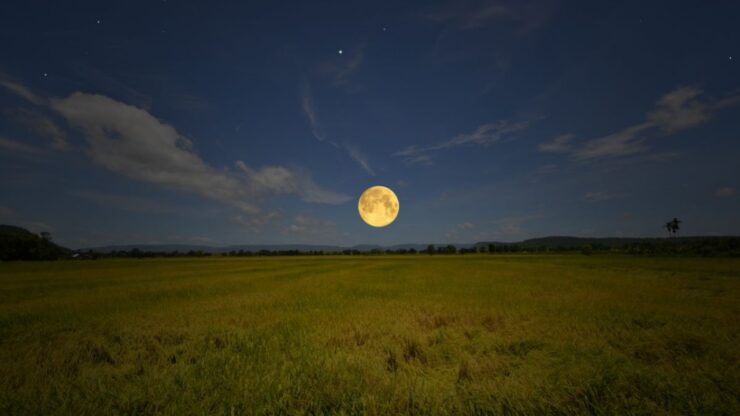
234	123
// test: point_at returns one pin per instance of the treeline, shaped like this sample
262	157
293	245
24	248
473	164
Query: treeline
697	247
140	254
689	247
709	247
715	247
19	244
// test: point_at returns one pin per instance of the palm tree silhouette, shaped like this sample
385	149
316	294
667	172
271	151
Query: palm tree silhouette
675	225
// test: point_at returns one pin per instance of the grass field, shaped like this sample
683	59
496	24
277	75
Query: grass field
551	334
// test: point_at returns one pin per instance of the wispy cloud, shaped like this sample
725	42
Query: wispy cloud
625	142
680	109
484	135
276	180
20	90
16	146
130	141
309	109
311	112
560	144
359	158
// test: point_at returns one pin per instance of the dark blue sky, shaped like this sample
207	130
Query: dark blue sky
225	123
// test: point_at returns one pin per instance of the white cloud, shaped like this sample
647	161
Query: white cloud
272	180
130	141
678	110
484	135
726	191
622	143
560	144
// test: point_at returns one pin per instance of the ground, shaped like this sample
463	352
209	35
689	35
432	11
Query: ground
470	334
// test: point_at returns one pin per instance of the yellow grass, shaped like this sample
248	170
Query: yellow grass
473	334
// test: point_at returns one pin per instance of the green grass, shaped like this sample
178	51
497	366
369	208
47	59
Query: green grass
565	334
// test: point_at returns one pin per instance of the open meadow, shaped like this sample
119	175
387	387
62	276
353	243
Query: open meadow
458	334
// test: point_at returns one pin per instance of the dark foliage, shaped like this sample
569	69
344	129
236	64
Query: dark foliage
677	246
19	244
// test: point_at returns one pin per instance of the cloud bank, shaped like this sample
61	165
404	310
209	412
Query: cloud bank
132	142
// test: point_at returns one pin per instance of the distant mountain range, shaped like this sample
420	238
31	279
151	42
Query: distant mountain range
553	242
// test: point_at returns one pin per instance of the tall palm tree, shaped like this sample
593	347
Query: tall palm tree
675	225
669	228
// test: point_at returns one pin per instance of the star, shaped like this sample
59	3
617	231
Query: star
99	21
384	28
340	51
45	75
730	57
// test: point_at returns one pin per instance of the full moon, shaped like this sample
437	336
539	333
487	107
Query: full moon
378	206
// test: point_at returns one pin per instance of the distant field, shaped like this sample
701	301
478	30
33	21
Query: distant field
477	334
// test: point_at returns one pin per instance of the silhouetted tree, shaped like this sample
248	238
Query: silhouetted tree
675	225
